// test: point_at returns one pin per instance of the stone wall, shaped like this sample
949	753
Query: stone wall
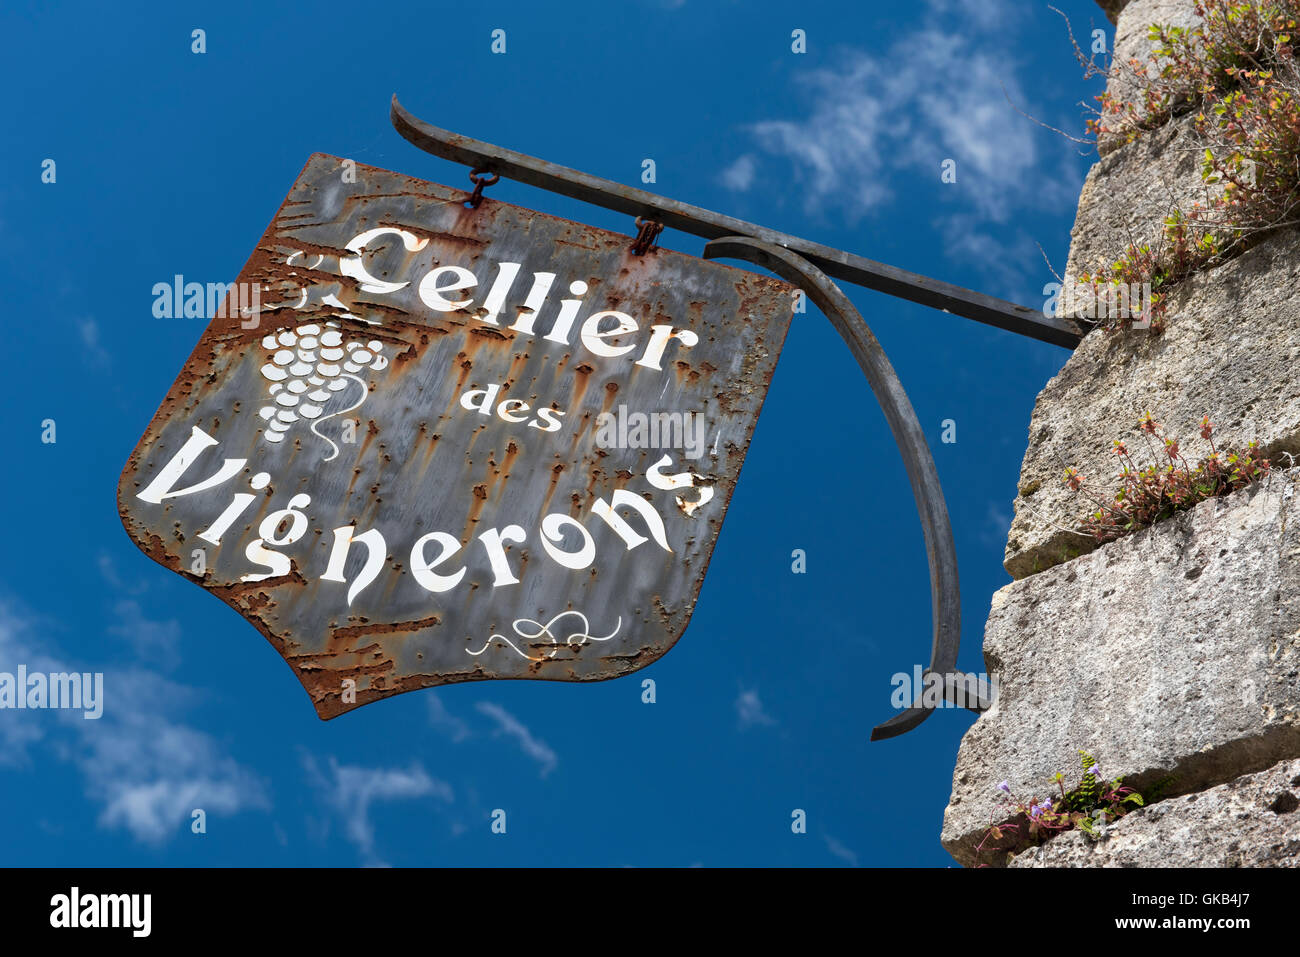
1172	654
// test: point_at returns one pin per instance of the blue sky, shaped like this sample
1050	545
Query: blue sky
168	161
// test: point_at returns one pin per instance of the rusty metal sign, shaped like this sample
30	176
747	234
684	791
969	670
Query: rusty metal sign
449	443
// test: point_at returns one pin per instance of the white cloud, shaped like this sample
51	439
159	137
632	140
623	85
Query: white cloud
840	851
350	790
936	94
510	726
997	525
155	642
151	775
91	343
749	710
148	770
446	722
18	729
108	571
739	176
981	14
1004	260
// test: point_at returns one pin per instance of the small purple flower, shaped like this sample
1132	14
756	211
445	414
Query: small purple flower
1036	810
1005	787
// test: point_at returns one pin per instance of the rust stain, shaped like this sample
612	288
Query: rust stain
384	628
477	500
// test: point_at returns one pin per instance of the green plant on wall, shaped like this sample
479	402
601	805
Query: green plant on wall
1091	806
1167	483
1236	76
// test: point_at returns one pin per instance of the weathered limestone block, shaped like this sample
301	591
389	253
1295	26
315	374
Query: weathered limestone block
1129	193
1132	42
1231	350
1250	822
1173	653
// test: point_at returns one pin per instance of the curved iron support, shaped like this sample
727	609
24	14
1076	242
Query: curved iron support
802	261
945	598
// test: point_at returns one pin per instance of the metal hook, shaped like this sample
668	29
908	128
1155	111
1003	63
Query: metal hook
480	181
647	231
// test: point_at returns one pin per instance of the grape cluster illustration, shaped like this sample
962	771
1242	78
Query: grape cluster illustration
308	366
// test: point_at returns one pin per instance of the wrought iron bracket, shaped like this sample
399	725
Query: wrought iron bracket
945	592
710	225
811	266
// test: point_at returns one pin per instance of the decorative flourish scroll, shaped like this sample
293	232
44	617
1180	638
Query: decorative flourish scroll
575	638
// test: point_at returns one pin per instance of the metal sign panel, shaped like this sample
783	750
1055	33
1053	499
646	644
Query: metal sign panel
423	443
